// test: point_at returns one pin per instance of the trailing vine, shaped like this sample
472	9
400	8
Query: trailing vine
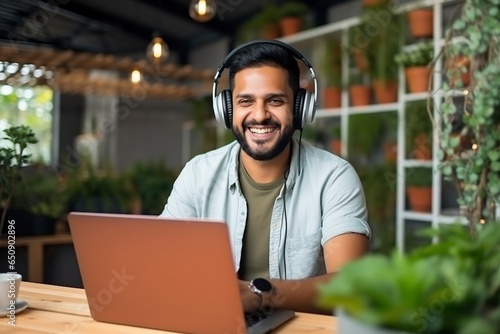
473	43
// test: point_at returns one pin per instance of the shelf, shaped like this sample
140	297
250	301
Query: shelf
373	108
329	112
420	216
417	163
416	96
448	216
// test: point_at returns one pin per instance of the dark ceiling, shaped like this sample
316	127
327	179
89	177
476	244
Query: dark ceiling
125	27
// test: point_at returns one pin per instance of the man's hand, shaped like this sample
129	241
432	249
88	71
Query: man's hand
249	299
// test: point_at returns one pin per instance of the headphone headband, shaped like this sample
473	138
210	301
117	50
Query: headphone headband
287	47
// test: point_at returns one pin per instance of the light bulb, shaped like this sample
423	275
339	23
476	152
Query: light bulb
202	10
157	50
135	76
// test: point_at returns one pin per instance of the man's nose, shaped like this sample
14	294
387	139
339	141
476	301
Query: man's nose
260	113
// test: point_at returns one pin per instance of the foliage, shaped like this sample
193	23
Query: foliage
449	287
268	15
418	176
421	55
418	125
382	46
152	183
474	35
380	193
41	193
293	9
12	158
331	62
365	132
100	191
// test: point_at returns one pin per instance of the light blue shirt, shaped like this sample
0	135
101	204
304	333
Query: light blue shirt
323	199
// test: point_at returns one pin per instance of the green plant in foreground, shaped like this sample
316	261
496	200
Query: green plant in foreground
12	159
459	277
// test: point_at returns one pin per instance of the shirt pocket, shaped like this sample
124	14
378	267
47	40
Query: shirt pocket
305	256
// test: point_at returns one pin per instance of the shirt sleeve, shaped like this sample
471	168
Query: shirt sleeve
344	205
180	203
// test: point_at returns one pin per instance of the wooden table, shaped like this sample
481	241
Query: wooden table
57	309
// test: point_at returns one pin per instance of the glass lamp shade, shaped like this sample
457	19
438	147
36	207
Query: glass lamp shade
157	51
202	10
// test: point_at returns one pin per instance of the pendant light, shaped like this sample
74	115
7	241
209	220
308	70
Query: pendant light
202	10
157	50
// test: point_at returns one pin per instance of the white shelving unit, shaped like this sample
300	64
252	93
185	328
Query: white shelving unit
306	41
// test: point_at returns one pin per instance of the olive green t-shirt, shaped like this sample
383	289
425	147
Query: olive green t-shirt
260	199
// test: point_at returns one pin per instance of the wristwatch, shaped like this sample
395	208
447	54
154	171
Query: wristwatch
262	288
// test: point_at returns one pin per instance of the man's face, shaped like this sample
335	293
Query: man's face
262	111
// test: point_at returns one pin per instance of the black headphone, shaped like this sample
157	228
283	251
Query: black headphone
305	103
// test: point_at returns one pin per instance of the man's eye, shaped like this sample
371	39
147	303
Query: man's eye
275	102
245	102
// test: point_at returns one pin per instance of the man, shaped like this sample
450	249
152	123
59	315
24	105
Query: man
295	213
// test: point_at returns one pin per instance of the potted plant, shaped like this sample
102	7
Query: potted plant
92	190
336	140
331	65
448	287
416	63
420	22
381	49
291	17
267	21
360	93
418	131
419	188
12	157
151	183
42	198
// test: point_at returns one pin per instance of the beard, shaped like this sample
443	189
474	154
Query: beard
261	153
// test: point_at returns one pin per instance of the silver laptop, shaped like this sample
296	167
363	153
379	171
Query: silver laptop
175	275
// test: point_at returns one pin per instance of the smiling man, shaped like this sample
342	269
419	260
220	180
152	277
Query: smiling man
295	213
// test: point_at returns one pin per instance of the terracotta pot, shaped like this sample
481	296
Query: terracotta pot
360	95
420	198
391	151
336	146
385	92
360	60
271	31
421	23
454	64
372	3
331	97
422	148
290	25
417	79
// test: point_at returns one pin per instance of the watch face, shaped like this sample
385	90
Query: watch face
262	284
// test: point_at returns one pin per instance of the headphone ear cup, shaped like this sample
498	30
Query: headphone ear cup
305	108
308	108
228	105
298	109
223	108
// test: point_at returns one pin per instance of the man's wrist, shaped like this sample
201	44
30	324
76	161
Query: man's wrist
262	288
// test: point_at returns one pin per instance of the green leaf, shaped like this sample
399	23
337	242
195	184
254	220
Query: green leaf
494	155
458	25
495	166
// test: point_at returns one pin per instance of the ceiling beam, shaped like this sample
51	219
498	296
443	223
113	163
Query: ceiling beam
110	23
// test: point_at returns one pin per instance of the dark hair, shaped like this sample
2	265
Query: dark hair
265	54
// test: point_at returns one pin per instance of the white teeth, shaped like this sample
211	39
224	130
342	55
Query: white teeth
260	131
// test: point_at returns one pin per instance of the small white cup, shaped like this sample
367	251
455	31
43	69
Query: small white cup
9	289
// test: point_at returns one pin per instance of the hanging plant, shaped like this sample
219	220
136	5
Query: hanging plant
476	171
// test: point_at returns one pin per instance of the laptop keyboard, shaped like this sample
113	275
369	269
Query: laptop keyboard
253	318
